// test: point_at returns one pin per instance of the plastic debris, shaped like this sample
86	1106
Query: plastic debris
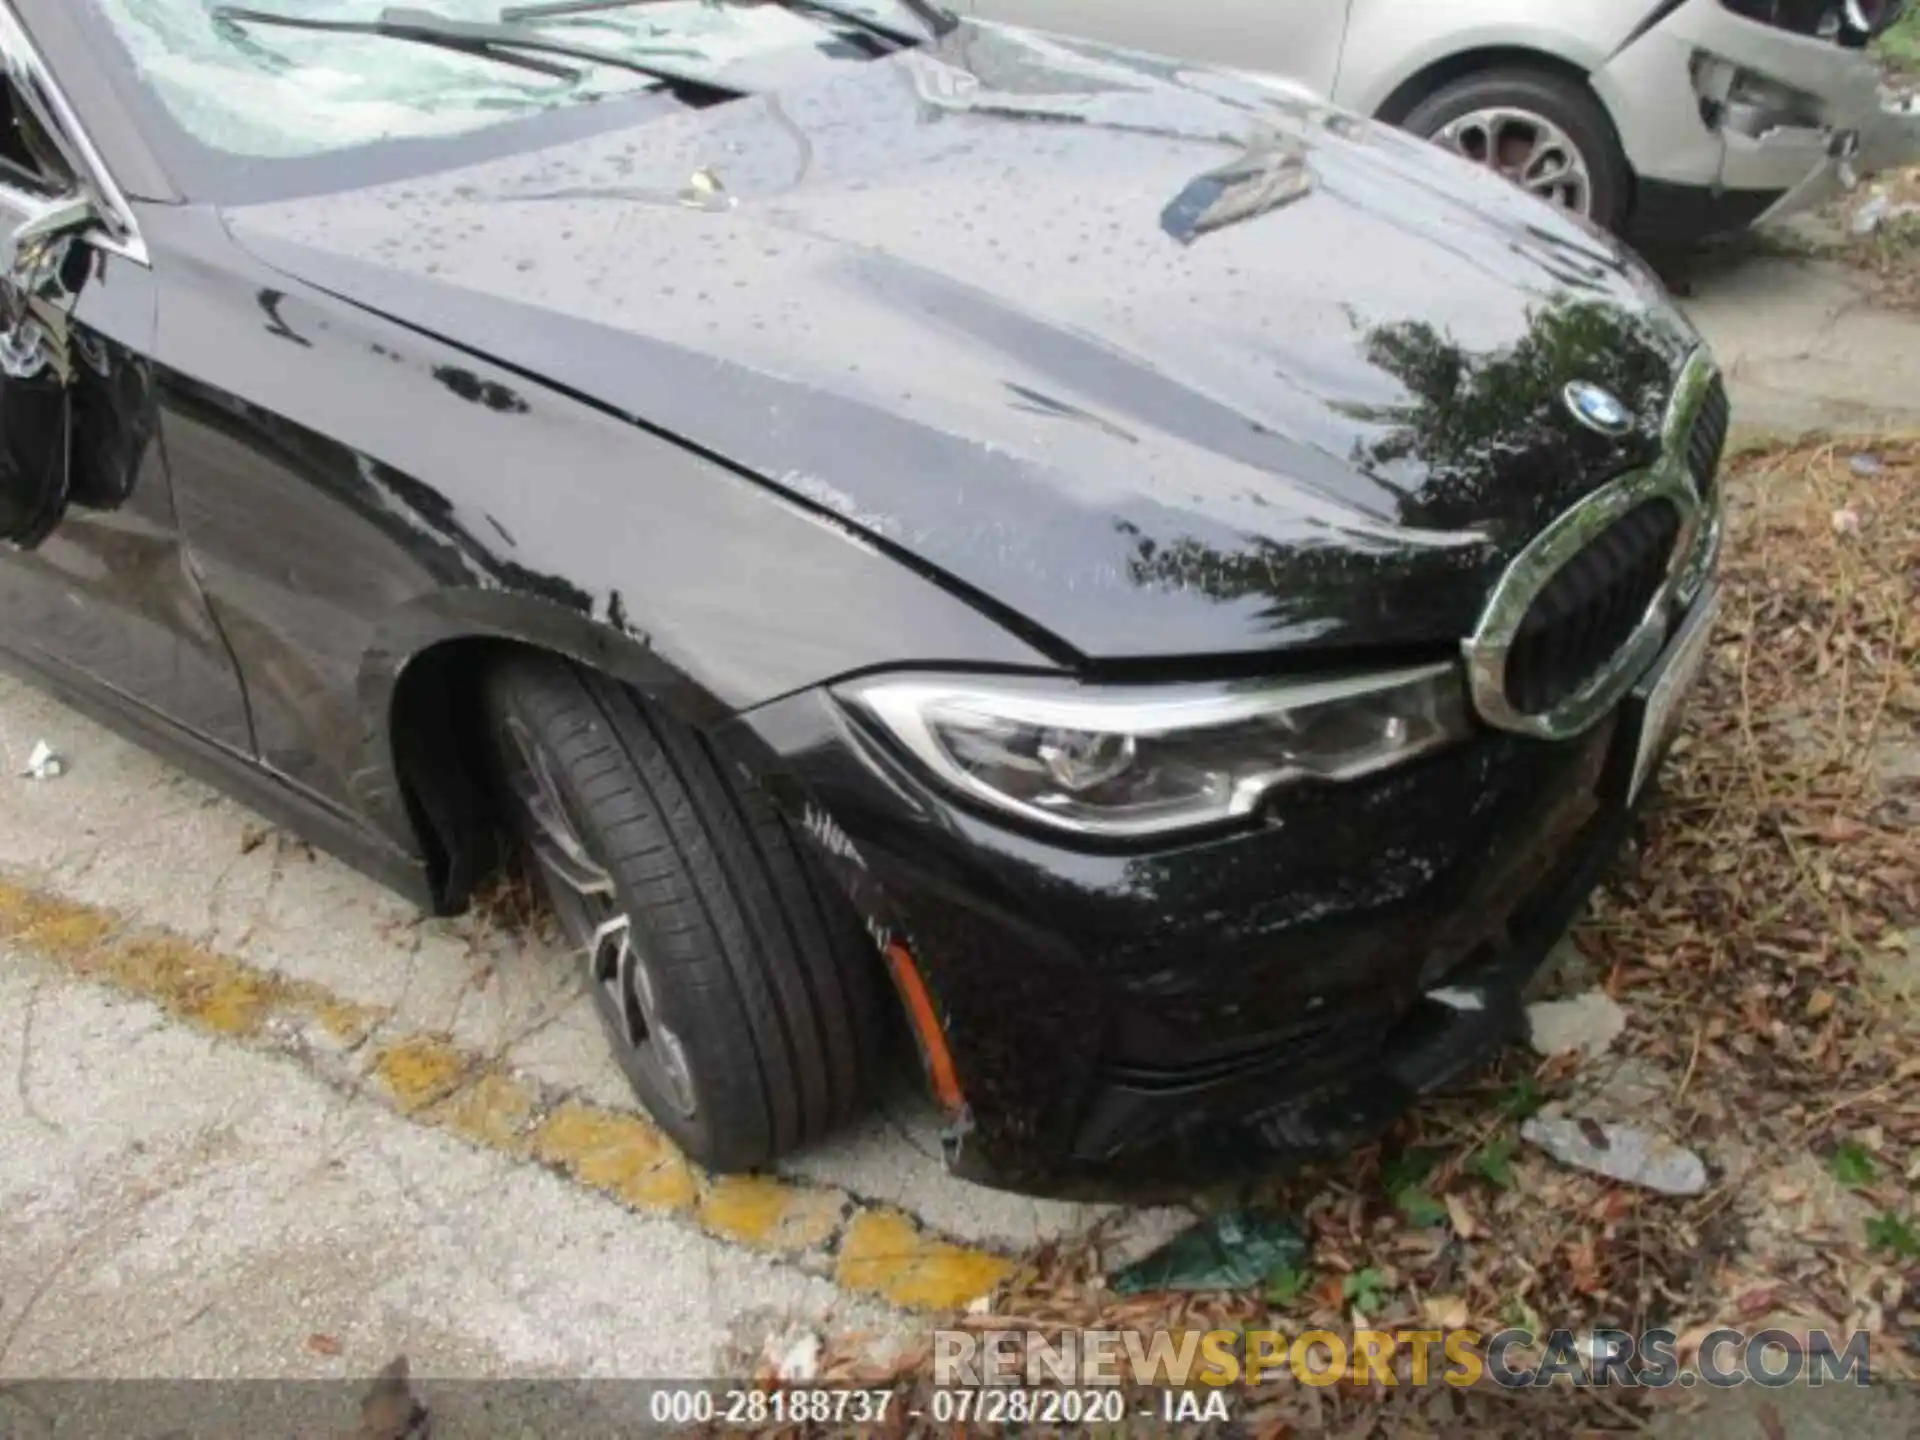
44	763
1588	1023
791	1355
799	1363
1865	464
704	190
1135	1234
1846	522
1619	1152
1234	1250
1871	215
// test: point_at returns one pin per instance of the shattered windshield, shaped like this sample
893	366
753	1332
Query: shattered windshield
266	91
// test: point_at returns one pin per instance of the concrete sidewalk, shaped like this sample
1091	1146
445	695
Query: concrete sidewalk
176	1205
236	1059
1804	348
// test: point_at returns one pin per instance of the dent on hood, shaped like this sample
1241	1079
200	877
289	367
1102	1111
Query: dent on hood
1123	344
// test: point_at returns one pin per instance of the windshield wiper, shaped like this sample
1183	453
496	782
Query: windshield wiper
842	10
490	42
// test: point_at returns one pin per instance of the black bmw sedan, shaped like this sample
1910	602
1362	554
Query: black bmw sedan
1171	591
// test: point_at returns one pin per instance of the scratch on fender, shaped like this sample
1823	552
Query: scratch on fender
821	826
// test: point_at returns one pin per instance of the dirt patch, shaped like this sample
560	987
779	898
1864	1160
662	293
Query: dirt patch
1747	945
1899	49
1887	249
1874	231
1890	252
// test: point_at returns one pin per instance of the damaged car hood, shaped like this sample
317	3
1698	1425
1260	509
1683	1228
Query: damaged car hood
1165	361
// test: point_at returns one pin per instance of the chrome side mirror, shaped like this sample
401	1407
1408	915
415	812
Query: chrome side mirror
26	224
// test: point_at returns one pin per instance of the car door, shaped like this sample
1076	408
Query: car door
96	591
1297	39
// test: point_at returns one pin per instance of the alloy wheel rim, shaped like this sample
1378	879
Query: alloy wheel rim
587	902
1527	149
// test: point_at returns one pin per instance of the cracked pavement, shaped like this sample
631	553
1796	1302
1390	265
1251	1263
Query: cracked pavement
261	1118
1803	346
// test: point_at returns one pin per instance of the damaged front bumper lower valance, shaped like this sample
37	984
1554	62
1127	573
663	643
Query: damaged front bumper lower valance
1811	146
1131	1019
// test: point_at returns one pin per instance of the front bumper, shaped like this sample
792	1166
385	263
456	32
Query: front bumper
1889	139
1744	161
1133	1021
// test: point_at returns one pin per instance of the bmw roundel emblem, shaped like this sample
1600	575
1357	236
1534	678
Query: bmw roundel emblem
1598	409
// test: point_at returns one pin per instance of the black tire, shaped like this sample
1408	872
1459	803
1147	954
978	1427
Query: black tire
761	976
1562	101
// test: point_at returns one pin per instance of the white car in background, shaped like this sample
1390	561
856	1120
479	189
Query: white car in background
1666	120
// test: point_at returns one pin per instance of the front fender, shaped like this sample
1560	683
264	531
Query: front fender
414	632
340	541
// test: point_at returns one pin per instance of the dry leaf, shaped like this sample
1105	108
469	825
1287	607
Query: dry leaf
1464	1225
1755	1302
323	1344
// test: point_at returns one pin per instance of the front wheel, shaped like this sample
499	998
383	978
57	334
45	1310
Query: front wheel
740	995
1546	133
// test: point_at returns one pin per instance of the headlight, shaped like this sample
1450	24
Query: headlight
1143	760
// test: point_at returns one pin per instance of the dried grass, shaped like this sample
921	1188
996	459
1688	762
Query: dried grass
1889	257
1891	254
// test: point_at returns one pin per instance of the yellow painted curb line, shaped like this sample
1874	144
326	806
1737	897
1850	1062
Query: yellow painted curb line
871	1249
